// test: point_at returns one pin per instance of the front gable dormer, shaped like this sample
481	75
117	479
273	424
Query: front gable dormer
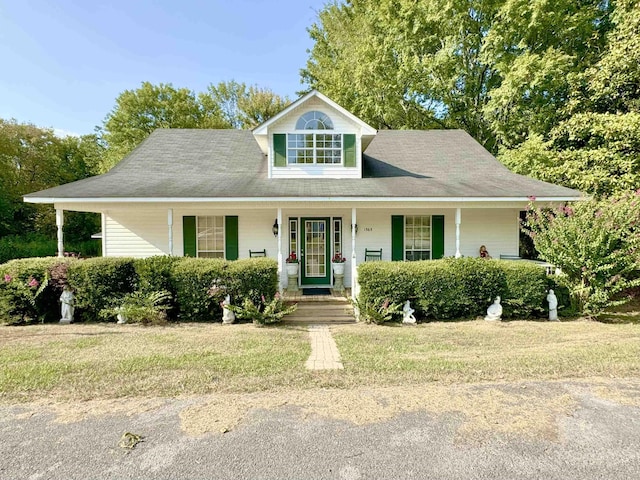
314	137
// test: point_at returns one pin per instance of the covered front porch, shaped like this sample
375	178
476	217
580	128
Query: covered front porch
315	231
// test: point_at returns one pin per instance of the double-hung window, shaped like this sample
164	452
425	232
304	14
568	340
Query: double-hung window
210	236
417	237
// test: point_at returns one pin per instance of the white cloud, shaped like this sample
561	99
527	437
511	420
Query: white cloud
58	132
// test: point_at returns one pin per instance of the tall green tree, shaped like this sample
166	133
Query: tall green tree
242	106
139	112
596	146
32	159
496	68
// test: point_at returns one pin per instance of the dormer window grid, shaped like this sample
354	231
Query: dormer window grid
315	146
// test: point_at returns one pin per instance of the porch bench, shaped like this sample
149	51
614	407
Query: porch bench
372	255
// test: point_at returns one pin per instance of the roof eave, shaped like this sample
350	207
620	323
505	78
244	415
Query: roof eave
44	200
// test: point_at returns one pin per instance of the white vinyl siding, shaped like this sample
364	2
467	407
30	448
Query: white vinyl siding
129	234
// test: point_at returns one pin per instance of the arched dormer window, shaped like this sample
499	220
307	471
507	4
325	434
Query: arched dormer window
314	142
314	121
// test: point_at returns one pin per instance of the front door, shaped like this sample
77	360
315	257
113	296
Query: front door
314	251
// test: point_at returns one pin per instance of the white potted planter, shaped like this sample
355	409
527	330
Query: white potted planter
292	269
338	268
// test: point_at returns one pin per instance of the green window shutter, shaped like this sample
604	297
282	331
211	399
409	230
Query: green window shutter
349	149
397	237
437	236
231	238
189	236
280	149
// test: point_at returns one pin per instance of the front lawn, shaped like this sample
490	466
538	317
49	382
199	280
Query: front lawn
108	361
489	351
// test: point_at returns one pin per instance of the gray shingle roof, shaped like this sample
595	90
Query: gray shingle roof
175	163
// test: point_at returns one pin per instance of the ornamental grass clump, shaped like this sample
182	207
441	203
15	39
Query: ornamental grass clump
379	311
596	244
263	312
147	308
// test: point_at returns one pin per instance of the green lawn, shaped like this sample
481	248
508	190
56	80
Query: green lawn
489	351
107	361
110	361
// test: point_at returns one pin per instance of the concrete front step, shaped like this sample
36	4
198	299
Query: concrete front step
330	311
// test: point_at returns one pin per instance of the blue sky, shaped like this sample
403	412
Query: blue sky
63	63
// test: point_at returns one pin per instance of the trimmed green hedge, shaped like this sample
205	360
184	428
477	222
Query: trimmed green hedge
100	283
456	288
200	284
196	285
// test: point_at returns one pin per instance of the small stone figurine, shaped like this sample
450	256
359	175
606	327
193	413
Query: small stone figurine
67	305
227	315
553	305
407	313
494	312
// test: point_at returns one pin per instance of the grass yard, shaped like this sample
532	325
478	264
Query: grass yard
81	362
107	361
481	351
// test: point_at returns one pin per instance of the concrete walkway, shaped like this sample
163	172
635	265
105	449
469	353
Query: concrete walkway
324	351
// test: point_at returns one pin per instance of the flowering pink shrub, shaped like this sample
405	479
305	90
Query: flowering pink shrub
596	244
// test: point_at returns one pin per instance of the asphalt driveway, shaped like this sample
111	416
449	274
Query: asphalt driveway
595	435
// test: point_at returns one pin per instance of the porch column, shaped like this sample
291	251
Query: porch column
103	225
59	224
170	224
279	220
458	221
355	287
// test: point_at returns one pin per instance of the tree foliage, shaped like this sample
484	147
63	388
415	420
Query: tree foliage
496	68
32	159
596	146
139	112
242	106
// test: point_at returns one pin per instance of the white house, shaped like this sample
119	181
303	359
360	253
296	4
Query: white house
314	180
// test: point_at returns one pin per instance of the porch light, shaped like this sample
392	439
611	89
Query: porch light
274	229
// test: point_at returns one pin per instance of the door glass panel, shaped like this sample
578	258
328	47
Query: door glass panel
315	261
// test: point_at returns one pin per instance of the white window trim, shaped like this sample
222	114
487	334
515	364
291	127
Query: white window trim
333	233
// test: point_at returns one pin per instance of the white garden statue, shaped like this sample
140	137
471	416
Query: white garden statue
494	312
227	315
407	313
67	305
553	305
